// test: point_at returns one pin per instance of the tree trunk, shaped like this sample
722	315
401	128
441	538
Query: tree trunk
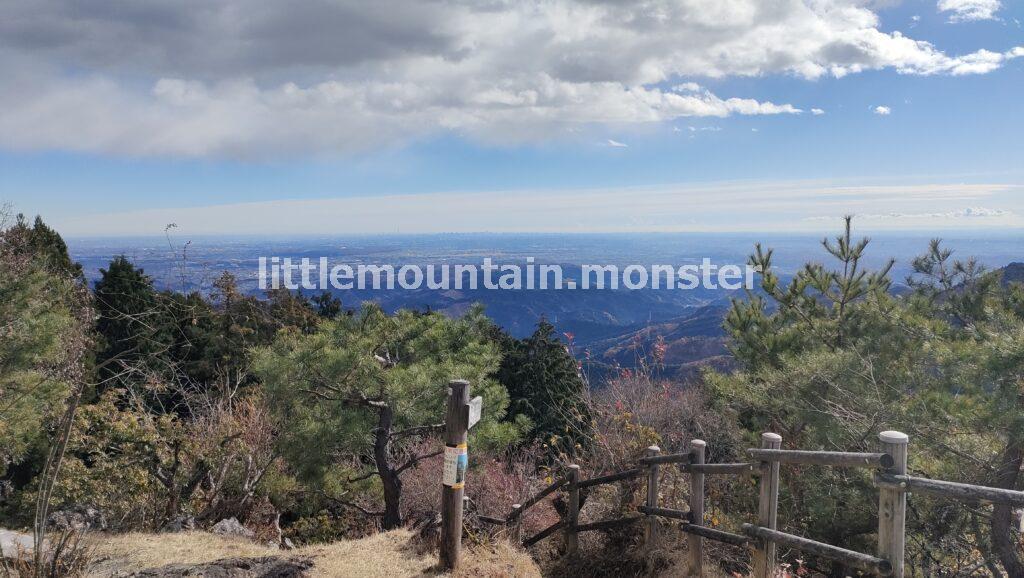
173	505
1002	514
389	479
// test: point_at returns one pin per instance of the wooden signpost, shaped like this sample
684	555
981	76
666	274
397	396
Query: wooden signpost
462	413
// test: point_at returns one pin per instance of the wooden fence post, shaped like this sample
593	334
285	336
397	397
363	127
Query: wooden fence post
515	530
651	530
698	449
892	503
572	512
768	508
453	481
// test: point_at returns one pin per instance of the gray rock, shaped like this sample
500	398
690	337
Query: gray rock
232	527
265	567
11	543
180	524
77	517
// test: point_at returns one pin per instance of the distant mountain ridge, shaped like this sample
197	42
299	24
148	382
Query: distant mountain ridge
1012	273
615	326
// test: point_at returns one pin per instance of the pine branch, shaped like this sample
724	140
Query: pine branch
412	463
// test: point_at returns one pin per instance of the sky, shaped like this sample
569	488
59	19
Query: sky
422	116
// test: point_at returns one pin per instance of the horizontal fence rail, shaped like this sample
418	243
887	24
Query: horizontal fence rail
891	479
610	478
713	534
720	469
841	555
815	458
544	533
665	513
952	490
683	458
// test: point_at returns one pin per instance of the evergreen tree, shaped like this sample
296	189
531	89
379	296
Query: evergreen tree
194	342
327	306
832	358
43	243
545	385
38	360
131	324
44	338
381	375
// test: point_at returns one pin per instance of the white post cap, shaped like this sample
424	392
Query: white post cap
893	437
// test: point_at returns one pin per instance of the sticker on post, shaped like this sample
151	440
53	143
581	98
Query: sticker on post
456	460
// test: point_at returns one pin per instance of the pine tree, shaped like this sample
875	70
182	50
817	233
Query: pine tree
327	306
131	324
833	357
544	384
43	243
367	388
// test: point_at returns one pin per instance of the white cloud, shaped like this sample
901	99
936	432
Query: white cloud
970	10
254	78
617	144
817	111
882	110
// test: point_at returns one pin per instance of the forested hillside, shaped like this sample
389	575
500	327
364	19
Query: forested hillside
303	421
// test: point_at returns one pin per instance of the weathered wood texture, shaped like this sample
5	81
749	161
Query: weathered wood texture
651	529
609	478
892	504
713	534
767	508
843	556
515	526
544	533
572	511
741	469
456	429
654	511
696	554
683	458
515	513
892	479
816	458
968	493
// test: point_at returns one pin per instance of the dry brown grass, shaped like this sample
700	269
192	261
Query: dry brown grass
120	553
498	562
385	555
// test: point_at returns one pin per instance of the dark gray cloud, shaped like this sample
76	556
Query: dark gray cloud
211	38
266	77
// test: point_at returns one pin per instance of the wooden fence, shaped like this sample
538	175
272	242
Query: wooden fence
889	465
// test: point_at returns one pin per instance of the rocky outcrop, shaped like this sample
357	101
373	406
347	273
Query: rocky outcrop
77	517
13	542
232	527
265	567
